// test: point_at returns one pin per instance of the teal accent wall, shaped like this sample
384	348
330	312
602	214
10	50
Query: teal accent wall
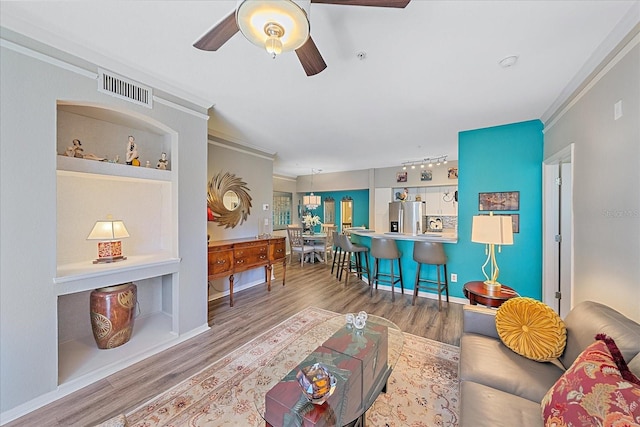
360	206
502	158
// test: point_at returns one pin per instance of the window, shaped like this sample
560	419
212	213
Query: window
281	210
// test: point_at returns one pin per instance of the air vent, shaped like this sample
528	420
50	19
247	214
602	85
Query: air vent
123	88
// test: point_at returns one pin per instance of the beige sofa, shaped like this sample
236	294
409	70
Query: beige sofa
501	388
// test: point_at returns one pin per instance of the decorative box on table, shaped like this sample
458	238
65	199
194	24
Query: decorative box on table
285	403
370	347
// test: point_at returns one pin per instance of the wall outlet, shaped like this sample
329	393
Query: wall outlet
265	207
454	277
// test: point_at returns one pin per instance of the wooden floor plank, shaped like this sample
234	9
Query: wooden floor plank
255	311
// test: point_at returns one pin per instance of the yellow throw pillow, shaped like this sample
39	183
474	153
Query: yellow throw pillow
531	328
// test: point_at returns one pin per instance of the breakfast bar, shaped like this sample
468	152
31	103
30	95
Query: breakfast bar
405	243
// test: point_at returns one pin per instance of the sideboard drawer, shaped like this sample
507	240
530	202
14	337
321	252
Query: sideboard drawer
245	256
277	250
220	262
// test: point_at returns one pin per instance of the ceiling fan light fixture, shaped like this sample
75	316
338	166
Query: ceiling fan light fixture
273	43
273	24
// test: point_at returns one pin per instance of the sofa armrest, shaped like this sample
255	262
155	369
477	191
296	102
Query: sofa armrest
479	320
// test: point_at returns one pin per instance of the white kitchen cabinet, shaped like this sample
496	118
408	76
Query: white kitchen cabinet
440	200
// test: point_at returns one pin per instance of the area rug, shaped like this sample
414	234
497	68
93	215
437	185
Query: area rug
421	392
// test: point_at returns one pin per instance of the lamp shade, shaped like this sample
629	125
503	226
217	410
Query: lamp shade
108	230
490	229
285	20
311	201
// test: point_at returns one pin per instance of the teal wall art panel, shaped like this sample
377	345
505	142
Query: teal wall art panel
360	206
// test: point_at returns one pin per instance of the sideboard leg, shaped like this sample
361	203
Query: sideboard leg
268	269
284	269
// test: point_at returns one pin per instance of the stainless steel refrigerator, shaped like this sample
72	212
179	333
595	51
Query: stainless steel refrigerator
407	217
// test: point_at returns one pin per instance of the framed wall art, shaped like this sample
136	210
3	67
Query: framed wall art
401	177
499	201
426	175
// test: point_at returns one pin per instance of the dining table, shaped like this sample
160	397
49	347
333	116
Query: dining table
314	240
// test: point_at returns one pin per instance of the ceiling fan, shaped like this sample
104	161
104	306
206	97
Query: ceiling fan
279	26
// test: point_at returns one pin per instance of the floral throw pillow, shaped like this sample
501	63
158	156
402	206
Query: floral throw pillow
592	392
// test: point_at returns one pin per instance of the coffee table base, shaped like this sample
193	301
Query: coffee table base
361	420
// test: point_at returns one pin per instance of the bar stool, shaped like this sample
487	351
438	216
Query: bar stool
355	265
337	252
430	253
382	248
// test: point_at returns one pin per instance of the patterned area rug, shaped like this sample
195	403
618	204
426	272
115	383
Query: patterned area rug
422	390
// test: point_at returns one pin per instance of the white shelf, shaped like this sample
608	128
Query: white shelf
73	164
80	360
84	276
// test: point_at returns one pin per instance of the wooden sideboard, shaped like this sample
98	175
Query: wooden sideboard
227	257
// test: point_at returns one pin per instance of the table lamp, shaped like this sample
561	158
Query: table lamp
492	230
109	233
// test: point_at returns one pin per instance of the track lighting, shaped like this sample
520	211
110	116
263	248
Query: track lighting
429	161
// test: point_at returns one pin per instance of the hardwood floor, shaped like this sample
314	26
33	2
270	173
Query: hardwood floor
255	311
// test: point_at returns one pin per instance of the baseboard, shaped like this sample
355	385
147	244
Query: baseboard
75	385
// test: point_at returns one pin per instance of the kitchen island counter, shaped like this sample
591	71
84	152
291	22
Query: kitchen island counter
444	236
405	244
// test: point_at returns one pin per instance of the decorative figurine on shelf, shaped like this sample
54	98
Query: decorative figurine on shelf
75	150
132	152
163	163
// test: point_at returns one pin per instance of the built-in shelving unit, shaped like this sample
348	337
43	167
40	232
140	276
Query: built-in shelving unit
78	277
81	361
114	170
143	197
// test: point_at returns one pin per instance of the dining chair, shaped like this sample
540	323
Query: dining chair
297	245
325	247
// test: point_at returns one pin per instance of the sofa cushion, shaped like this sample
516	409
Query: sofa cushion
589	318
482	406
531	328
592	392
488	361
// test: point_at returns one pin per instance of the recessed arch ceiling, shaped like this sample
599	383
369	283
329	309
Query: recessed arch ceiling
431	69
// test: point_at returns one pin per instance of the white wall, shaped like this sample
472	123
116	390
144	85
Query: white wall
606	195
30	86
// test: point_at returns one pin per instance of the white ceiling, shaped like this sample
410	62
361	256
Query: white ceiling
431	69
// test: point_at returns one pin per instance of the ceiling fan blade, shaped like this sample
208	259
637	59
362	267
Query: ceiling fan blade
310	58
376	3
219	34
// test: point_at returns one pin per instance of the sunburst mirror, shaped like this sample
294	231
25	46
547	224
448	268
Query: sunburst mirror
228	200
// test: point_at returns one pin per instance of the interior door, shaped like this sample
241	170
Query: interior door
558	232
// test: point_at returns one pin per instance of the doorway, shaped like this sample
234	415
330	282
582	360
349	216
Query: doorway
557	224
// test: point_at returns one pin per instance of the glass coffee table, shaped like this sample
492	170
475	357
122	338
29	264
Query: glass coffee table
360	360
